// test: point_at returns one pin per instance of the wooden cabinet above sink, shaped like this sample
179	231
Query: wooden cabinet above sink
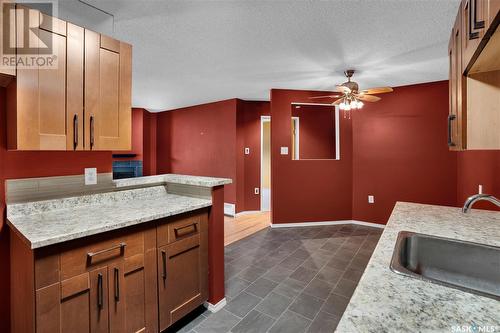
474	105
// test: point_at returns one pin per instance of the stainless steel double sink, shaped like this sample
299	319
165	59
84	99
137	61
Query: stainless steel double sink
467	266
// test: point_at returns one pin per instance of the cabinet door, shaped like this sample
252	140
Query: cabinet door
493	10
108	70
72	305
40	107
135	294
474	16
99	301
91	89
115	117
181	279
75	313
74	87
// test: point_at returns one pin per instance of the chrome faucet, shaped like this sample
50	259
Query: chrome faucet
478	197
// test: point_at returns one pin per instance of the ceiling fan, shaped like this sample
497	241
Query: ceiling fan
350	97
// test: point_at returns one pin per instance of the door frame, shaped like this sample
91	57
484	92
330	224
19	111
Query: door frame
296	152
263	119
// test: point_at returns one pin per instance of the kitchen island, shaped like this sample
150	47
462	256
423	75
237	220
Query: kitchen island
388	302
134	256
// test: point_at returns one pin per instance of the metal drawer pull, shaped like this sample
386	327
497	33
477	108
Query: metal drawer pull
117	284
100	295
164	262
91	132
179	233
450	137
120	246
75	131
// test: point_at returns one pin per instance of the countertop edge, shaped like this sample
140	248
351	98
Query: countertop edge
201	181
93	232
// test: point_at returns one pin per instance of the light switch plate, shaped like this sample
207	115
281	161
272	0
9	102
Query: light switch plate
480	189
256	190
371	199
284	150
247	151
90	176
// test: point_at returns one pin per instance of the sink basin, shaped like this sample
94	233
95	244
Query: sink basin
467	266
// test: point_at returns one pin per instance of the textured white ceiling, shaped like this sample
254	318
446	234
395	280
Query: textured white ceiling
192	52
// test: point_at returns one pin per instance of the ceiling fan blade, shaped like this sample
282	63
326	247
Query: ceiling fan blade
337	102
328	96
367	98
377	90
344	89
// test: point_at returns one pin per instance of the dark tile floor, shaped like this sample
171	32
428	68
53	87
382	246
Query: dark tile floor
288	280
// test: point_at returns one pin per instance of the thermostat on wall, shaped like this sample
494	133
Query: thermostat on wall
284	150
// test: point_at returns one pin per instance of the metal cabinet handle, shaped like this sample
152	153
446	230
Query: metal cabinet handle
75	131
117	284
100	293
451	117
184	230
164	262
120	246
91	132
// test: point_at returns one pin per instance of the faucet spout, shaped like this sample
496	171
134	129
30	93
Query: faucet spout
478	197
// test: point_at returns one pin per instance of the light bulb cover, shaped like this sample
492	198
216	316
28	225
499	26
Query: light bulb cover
360	104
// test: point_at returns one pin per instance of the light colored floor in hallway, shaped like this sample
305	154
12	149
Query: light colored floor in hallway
239	227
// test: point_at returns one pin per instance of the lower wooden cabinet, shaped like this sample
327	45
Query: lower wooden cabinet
121	281
182	269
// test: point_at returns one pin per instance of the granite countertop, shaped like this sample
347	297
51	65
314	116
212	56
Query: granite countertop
388	302
49	222
172	178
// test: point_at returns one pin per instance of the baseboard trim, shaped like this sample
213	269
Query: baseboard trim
215	307
246	212
315	224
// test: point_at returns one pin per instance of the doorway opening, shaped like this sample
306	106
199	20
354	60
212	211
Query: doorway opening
265	163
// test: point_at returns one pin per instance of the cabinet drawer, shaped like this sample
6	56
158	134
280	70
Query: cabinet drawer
178	229
98	253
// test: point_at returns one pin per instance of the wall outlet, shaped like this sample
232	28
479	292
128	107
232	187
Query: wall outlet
247	151
284	150
90	176
480	189
256	190
371	199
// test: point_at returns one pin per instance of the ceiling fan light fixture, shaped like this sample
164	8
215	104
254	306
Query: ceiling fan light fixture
360	104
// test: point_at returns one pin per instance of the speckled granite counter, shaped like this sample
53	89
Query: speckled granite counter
44	223
172	178
387	302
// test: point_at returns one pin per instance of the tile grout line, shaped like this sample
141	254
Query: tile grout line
301	291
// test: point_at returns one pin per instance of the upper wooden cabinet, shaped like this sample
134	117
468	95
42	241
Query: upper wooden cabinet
474	67
457	86
108	66
82	103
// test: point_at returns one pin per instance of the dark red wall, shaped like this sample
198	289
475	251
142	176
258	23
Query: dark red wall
307	190
149	143
316	131
199	140
480	167
248	130
400	151
16	164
